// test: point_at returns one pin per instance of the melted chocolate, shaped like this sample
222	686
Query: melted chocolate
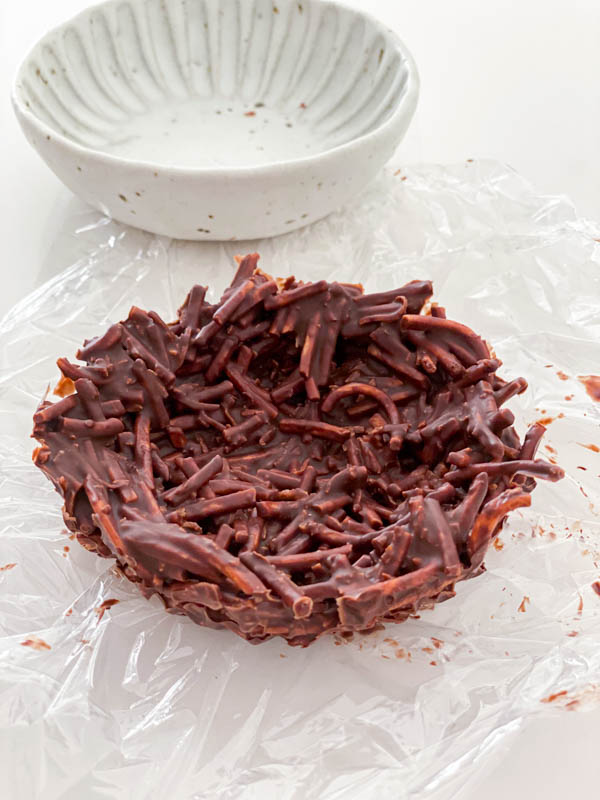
592	386
297	458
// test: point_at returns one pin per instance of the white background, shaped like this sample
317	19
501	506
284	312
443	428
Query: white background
516	80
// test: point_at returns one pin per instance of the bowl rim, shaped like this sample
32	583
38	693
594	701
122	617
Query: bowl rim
406	104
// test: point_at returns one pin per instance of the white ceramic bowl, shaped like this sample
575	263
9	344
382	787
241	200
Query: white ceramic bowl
217	119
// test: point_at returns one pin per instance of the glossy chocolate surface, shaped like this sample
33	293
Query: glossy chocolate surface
297	458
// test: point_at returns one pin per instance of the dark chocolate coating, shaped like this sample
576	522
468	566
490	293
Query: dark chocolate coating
298	458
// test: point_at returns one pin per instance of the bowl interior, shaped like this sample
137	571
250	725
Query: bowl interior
208	83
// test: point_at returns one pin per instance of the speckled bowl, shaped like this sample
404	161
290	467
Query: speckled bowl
217	119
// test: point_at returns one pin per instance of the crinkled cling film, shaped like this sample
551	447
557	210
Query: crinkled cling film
106	695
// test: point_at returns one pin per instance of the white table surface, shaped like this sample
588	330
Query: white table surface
516	80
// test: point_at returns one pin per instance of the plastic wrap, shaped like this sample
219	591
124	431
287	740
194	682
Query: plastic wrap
123	701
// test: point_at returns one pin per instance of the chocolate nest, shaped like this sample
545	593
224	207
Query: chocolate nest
295	459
